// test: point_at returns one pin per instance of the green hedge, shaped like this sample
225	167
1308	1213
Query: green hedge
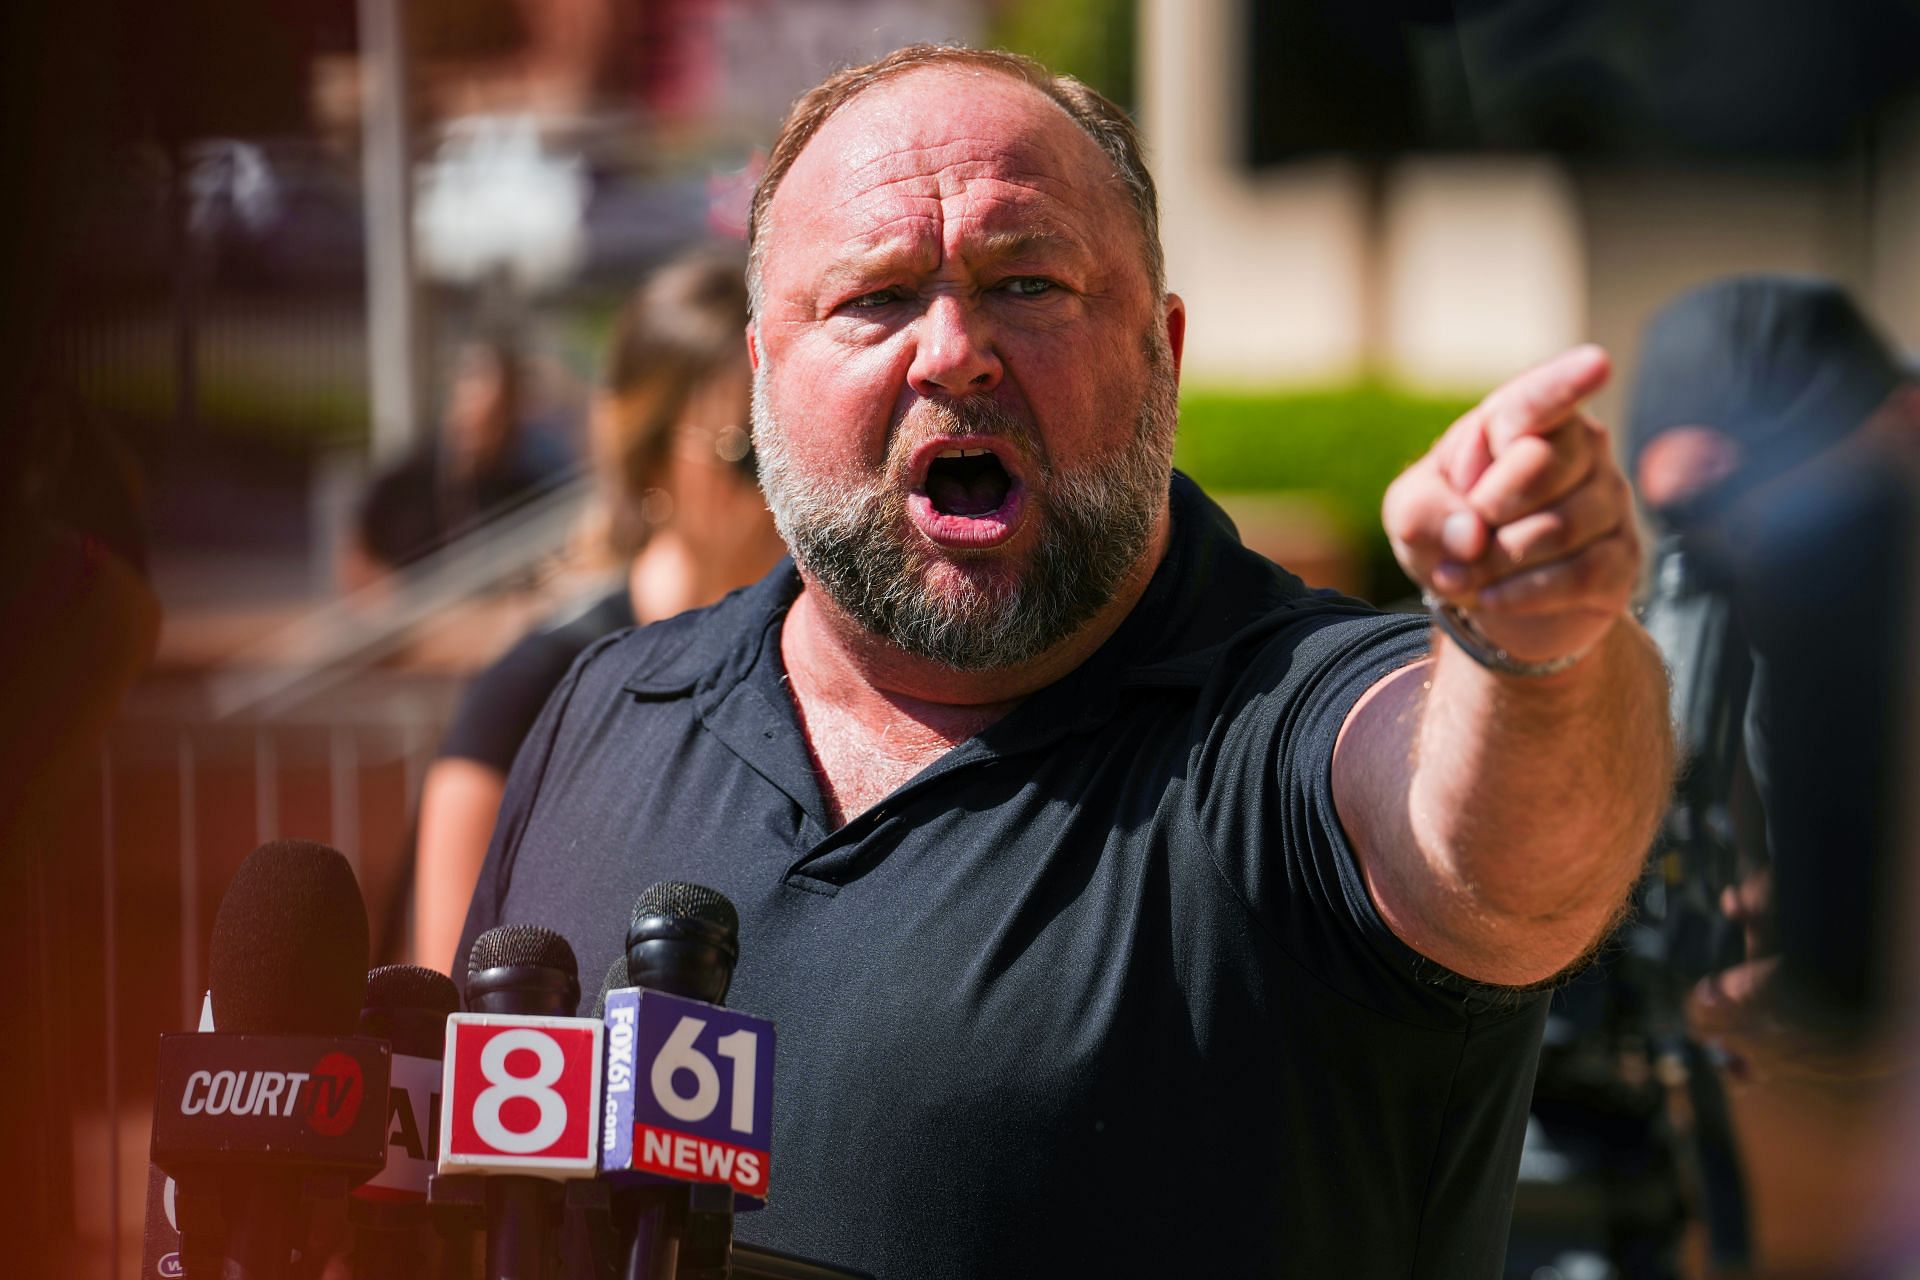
1091	39
1344	444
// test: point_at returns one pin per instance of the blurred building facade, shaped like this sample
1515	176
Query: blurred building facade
1479	228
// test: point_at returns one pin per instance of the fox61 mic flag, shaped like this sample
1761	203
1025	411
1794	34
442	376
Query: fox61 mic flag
520	1095
689	1091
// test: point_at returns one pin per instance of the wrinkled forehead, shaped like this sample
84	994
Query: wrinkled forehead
938	143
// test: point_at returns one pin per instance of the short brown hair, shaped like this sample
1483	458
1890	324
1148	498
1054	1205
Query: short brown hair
1097	116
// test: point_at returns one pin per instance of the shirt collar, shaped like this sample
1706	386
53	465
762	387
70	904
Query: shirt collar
713	645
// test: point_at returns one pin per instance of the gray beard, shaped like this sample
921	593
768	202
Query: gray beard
853	539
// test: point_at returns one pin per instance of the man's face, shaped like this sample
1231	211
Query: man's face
965	386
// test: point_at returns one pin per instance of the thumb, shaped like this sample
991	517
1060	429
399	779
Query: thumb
1463	537
1463	534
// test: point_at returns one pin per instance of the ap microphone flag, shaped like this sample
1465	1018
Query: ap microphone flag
407	1006
394	1228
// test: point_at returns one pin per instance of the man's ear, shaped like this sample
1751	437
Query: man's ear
753	346
1176	322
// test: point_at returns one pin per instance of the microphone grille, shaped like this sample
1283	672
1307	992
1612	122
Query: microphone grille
522	945
289	949
678	900
411	986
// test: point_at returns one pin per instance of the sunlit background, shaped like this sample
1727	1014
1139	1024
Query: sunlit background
292	221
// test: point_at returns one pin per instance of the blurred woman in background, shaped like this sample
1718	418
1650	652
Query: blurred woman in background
485	458
679	509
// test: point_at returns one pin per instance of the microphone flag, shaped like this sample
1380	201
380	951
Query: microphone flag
689	1093
520	1095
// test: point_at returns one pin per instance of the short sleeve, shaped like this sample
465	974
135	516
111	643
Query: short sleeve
1268	811
399	521
502	703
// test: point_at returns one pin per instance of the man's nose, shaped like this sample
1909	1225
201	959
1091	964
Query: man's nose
955	355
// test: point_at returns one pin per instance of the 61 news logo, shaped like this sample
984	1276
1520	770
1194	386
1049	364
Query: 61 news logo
689	1091
519	1095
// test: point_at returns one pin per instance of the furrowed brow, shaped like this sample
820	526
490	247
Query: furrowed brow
859	268
1005	246
862	268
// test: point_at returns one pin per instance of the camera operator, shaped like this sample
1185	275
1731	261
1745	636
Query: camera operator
1776	442
1773	441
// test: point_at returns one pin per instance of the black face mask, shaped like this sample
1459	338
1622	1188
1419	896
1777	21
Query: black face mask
1785	366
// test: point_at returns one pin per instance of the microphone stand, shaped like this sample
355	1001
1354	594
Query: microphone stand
654	1253
264	1223
519	1214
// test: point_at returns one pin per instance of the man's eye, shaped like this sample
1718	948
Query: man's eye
1029	286
871	301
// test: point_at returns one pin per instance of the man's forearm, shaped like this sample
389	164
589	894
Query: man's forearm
1500	818
1535	797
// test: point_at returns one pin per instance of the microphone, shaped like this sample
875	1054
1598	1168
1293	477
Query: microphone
522	969
407	1006
683	939
283	1103
160	1240
665	1030
521	1088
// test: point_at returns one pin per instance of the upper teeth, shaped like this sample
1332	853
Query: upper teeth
965	453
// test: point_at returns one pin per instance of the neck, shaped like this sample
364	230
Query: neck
874	716
672	575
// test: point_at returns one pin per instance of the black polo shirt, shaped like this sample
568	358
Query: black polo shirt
1100	992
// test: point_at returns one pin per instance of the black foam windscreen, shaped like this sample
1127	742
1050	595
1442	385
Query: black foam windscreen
615	979
521	946
679	901
290	945
407	1005
411	986
683	939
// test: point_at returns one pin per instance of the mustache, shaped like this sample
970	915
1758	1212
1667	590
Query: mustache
930	419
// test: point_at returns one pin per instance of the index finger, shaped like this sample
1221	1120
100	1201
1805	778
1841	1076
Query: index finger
1545	396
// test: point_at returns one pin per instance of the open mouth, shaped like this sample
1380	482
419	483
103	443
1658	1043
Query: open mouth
969	497
967	482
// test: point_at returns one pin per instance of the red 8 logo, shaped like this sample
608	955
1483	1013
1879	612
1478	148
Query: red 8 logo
503	1087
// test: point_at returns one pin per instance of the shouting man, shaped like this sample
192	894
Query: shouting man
1125	907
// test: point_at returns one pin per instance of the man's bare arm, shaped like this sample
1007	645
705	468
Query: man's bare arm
1500	829
1500	819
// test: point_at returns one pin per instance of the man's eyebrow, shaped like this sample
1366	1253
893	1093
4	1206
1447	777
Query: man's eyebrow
998	245
859	267
862	266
